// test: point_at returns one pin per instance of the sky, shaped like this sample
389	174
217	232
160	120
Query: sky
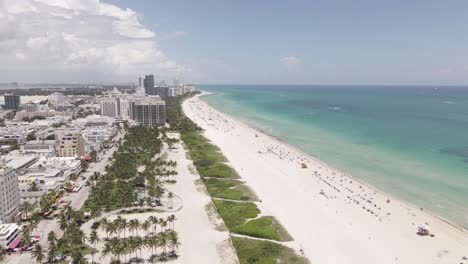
235	42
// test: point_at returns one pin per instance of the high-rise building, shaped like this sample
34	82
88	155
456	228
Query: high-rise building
148	83
12	101
124	108
9	194
71	144
149	111
110	107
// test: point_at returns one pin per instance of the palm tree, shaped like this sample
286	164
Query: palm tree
134	225
170	196
120	224
94	239
163	242
154	220
174	241
146	225
140	244
152	242
171	219
134	245
117	248
107	250
104	224
124	225
51	238
26	237
163	225
111	228
63	223
38	253
51	253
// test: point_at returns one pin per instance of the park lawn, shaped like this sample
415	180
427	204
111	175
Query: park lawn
228	189
234	213
264	227
265	252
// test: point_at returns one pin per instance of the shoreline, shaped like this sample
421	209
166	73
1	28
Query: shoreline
403	217
363	182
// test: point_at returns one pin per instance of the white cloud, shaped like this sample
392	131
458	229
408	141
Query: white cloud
290	62
77	40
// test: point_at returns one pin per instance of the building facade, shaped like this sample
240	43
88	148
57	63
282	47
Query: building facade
110	107
148	83
12	101
9	234
9	195
71	144
149	111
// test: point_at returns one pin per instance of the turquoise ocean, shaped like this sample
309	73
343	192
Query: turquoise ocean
408	141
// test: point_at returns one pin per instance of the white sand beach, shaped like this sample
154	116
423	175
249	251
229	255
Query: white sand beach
333	217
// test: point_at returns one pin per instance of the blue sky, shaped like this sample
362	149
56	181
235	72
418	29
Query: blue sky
392	42
241	41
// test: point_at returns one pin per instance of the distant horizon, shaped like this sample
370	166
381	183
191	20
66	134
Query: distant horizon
231	84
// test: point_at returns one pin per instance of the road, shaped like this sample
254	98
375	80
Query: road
78	199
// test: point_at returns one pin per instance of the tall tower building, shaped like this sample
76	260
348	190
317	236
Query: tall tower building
148	83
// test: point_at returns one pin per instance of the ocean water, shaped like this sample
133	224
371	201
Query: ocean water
410	142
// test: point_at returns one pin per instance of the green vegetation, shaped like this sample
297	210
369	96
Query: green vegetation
116	189
265	252
132	242
263	227
237	215
234	213
228	189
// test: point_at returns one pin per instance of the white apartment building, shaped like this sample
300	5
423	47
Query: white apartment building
124	107
9	194
109	107
172	92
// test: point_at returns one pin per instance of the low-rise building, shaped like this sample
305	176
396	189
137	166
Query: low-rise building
9	235
39	147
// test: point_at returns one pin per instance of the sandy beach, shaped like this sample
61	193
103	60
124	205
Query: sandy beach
332	216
